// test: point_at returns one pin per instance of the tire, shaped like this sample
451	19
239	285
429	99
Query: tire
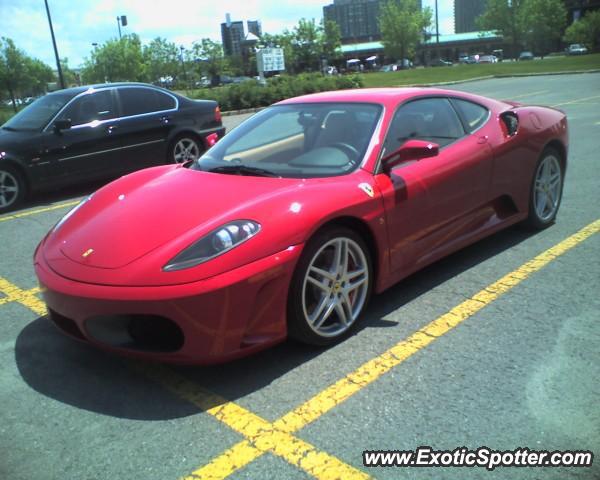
12	188
546	190
185	148
325	300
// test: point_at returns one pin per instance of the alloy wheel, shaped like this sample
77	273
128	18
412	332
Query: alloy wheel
9	189
335	287
547	188
185	150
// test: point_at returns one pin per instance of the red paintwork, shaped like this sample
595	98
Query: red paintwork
236	303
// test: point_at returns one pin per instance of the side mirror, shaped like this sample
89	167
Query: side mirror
63	124
410	150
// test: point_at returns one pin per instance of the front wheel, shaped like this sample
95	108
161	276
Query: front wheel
330	288
546	190
12	188
185	148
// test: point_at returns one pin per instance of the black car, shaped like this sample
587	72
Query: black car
100	131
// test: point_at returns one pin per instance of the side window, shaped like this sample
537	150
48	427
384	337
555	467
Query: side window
90	107
165	102
474	114
430	119
135	101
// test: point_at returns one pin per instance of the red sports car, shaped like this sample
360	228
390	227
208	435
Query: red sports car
288	224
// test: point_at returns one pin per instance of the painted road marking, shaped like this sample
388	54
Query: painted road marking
370	371
577	100
540	92
26	298
263	436
39	210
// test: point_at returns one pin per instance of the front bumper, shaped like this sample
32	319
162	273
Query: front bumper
214	320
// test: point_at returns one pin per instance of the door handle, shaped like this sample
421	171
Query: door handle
111	128
165	119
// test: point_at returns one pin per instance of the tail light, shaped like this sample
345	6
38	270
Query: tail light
211	140
218	114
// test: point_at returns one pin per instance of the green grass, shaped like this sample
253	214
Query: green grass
5	113
421	76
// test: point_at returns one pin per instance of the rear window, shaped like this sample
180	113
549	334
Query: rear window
473	114
137	101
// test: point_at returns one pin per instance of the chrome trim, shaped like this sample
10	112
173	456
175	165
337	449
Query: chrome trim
110	150
100	122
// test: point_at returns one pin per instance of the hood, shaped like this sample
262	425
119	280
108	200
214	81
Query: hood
141	212
131	228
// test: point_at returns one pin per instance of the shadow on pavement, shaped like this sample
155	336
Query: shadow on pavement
75	374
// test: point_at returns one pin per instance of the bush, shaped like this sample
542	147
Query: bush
251	94
5	114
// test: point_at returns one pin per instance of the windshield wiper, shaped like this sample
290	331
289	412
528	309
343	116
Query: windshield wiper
244	170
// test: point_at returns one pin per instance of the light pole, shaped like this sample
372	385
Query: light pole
181	49
58	67
121	21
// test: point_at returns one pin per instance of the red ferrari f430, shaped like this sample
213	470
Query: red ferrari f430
287	225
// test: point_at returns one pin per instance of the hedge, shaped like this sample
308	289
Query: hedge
252	94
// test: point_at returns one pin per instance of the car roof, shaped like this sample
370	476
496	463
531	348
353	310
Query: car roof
384	96
73	91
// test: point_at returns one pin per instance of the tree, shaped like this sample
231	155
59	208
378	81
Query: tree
162	59
307	44
211	59
116	60
71	78
402	25
585	31
543	22
12	68
330	40
504	16
20	74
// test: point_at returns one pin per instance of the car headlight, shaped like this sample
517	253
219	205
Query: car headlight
214	244
70	213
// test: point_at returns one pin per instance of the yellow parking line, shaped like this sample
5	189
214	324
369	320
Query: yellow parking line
370	371
531	94
577	100
39	210
262	436
24	297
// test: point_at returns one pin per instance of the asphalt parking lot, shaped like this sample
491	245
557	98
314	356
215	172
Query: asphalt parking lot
497	345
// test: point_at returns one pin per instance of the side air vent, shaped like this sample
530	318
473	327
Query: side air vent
510	122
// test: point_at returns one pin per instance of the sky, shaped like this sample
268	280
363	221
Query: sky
80	23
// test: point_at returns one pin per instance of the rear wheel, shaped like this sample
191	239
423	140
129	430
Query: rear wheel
330	287
12	188
185	148
546	190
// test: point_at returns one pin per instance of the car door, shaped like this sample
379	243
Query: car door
147	119
89	149
433	202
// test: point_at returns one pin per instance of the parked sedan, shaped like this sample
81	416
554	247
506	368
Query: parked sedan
287	225
93	132
526	56
577	49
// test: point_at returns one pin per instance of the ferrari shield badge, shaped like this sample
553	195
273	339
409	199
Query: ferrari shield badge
368	189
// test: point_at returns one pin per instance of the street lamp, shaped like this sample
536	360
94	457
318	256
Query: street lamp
121	21
58	67
182	48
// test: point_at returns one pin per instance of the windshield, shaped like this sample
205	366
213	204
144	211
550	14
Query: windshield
37	115
296	141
